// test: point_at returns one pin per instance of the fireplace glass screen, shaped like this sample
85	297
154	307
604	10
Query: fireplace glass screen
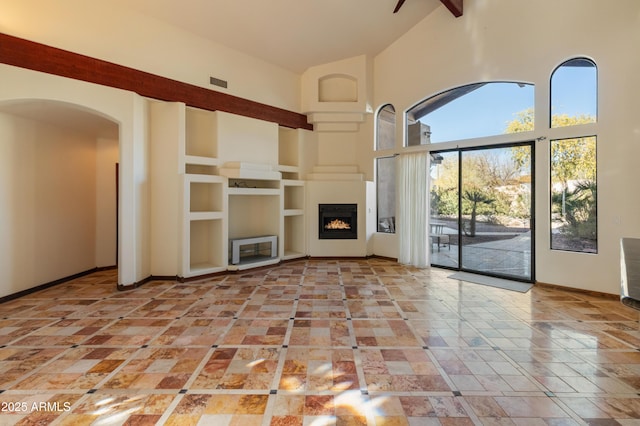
338	221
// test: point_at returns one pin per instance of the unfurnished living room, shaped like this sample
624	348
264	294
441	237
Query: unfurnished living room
357	212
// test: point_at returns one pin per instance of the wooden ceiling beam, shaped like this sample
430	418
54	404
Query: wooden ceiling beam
398	6
454	6
39	57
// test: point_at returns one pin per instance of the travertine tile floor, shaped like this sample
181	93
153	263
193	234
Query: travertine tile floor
317	342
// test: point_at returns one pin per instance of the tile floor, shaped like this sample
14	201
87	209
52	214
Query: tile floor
317	342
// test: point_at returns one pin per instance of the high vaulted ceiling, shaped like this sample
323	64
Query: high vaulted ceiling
293	34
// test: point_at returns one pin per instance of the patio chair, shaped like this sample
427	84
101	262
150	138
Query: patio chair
438	236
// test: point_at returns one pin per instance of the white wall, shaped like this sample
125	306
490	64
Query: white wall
166	132
105	31
48	194
524	41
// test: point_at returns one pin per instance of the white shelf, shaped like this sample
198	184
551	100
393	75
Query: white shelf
201	161
205	178
250	174
254	264
288	169
292	182
203	269
206	215
293	212
253	191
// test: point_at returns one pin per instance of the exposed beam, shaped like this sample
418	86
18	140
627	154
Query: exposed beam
398	6
39	57
454	6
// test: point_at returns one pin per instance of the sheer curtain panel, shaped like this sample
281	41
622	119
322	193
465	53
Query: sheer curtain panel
413	235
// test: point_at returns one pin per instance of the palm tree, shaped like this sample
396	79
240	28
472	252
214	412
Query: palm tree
581	210
475	196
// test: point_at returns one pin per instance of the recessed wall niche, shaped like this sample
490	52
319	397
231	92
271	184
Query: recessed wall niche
338	88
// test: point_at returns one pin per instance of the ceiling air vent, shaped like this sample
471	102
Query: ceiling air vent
218	82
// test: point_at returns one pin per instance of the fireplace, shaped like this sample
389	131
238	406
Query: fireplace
338	221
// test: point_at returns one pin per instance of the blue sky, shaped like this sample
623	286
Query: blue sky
487	110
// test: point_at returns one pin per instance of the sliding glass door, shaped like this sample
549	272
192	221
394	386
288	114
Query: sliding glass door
481	210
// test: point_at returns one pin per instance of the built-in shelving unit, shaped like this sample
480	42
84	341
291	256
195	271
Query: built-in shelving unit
241	181
293	194
205	213
293	202
204	230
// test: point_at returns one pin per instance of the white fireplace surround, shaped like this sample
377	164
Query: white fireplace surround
339	185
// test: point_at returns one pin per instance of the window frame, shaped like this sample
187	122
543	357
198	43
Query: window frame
576	131
381	153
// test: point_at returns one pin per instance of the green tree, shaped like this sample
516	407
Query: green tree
573	174
581	211
571	159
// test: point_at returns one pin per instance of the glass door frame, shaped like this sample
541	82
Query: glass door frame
532	221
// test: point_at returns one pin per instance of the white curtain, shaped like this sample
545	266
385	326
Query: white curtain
413	237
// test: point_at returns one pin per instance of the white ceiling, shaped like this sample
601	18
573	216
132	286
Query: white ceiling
293	34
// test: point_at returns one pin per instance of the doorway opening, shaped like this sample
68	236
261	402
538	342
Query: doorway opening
60	191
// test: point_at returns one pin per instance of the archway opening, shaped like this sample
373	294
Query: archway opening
58	182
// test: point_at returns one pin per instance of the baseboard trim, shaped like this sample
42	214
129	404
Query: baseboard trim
201	277
53	283
338	257
377	256
122	287
593	293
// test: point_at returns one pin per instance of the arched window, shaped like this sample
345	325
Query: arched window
470	111
386	128
573	162
386	169
574	93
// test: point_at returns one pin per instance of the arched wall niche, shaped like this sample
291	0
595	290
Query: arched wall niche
337	88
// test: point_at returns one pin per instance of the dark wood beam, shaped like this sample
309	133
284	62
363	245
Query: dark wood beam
398	6
454	6
39	57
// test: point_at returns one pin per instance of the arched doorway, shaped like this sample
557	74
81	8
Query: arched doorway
59	186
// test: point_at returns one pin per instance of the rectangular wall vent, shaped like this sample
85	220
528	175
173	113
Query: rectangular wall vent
218	82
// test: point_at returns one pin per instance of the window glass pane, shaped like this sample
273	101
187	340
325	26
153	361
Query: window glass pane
386	134
386	190
574	87
574	195
471	111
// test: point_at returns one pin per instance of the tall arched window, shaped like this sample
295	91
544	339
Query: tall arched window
386	128
386	169
574	88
